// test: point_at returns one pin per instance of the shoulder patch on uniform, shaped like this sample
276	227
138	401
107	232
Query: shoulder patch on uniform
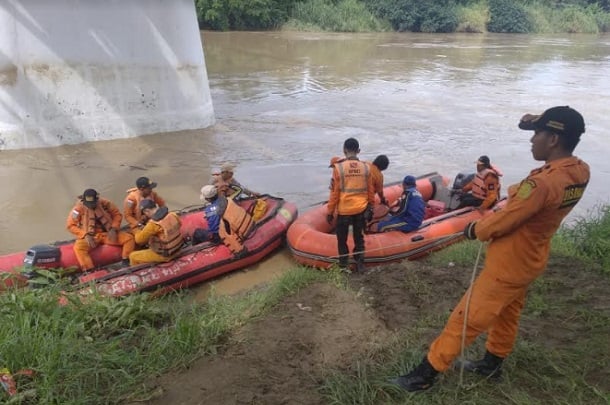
526	188
572	194
130	203
75	214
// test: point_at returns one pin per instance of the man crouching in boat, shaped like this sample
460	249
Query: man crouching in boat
408	212
161	233
96	221
227	221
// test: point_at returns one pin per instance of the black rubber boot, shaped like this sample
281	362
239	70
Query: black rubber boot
489	366
360	267
420	378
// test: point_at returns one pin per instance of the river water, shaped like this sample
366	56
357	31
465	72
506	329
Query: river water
284	103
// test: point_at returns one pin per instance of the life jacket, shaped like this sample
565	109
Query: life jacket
94	220
259	209
478	183
353	185
132	205
170	241
235	227
225	188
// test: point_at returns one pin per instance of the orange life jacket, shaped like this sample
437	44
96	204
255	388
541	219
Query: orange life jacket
479	190
94	220
170	241
235	226
131	207
353	184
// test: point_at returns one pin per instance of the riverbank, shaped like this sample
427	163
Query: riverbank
314	337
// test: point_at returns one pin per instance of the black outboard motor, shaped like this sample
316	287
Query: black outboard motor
41	256
461	179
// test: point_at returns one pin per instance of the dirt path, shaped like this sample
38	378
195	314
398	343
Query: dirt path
283	357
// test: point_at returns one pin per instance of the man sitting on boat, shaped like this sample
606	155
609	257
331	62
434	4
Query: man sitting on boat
96	221
227	221
213	212
161	233
484	190
407	213
131	205
227	185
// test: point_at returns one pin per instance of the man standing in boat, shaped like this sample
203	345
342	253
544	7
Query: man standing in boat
352	196
161	233
484	190
378	165
519	238
96	221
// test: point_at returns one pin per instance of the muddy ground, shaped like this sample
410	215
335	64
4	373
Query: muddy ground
282	358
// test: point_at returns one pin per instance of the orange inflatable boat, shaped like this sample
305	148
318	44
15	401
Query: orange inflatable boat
312	241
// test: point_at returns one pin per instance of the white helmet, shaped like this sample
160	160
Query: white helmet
208	191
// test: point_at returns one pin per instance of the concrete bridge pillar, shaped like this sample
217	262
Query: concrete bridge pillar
74	71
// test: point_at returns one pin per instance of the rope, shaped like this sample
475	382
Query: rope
468	296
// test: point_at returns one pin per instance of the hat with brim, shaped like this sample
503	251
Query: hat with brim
144	182
562	120
90	198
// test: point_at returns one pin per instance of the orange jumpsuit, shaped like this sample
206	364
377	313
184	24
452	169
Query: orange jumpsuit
98	222
131	206
520	240
377	178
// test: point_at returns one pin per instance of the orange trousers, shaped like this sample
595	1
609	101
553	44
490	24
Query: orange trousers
147	256
495	308
81	247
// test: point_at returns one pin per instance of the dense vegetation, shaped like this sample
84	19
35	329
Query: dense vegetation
509	16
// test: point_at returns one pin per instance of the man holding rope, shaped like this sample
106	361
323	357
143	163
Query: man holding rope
519	238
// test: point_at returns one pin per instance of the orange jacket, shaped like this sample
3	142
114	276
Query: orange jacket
521	232
162	235
485	186
377	178
235	226
352	188
83	220
131	206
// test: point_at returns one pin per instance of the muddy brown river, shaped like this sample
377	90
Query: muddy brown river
284	103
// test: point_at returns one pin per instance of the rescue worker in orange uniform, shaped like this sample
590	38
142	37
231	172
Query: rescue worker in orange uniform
227	185
96	221
131	211
352	196
380	163
484	188
519	238
161	233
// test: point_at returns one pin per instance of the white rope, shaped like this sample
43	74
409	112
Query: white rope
467	307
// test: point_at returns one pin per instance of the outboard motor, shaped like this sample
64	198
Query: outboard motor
41	256
461	179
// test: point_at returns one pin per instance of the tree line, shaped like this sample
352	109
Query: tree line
441	16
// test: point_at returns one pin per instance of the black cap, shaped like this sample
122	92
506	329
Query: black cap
409	180
144	182
484	160
90	197
147	203
561	120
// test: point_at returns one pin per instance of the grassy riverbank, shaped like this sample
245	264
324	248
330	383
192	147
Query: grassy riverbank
321	337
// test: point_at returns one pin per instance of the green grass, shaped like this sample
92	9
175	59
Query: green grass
100	351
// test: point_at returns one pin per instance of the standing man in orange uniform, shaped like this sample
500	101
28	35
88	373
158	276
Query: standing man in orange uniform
96	221
380	163
131	206
520	240
353	196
